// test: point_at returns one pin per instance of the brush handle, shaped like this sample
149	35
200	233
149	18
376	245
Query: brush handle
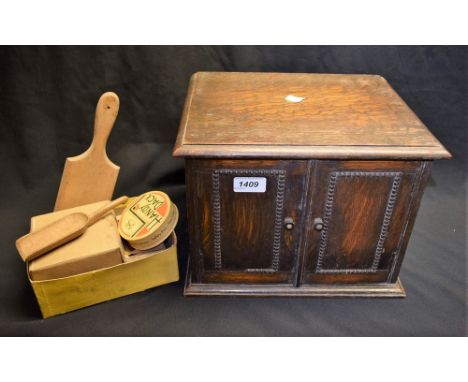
106	113
93	218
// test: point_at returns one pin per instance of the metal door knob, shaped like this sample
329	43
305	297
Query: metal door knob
288	223
318	224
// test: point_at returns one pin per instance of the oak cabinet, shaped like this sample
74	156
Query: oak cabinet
314	197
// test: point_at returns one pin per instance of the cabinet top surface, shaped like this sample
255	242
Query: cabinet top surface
300	115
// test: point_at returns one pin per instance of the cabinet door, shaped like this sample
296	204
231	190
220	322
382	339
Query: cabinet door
237	212
358	217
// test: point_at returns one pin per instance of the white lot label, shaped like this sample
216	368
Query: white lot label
249	184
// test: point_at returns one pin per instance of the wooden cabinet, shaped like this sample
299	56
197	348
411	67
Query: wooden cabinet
315	197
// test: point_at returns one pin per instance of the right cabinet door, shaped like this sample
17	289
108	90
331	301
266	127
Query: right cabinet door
360	215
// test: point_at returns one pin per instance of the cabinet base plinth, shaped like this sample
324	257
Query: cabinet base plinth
383	290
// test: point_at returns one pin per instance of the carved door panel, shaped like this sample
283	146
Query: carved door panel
357	217
239	211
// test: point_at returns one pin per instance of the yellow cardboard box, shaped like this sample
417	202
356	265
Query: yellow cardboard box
61	295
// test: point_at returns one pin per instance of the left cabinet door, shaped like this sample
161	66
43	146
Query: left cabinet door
244	219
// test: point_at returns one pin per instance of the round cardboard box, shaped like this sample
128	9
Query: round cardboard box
148	220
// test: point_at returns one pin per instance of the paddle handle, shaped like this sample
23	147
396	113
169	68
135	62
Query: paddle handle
106	113
93	218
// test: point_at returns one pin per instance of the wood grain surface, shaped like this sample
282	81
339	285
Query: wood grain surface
250	114
365	206
345	162
375	290
240	236
367	209
90	177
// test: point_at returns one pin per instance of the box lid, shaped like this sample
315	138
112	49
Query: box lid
298	115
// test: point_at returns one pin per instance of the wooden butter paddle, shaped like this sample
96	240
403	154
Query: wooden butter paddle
62	231
90	177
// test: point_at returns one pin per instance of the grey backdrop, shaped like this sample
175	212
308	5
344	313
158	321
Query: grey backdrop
47	101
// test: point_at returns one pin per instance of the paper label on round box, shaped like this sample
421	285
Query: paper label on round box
249	184
146	213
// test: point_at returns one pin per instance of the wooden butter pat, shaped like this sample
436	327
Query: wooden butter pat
99	247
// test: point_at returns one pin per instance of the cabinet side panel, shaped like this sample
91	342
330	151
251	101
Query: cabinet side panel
415	201
199	218
191	220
